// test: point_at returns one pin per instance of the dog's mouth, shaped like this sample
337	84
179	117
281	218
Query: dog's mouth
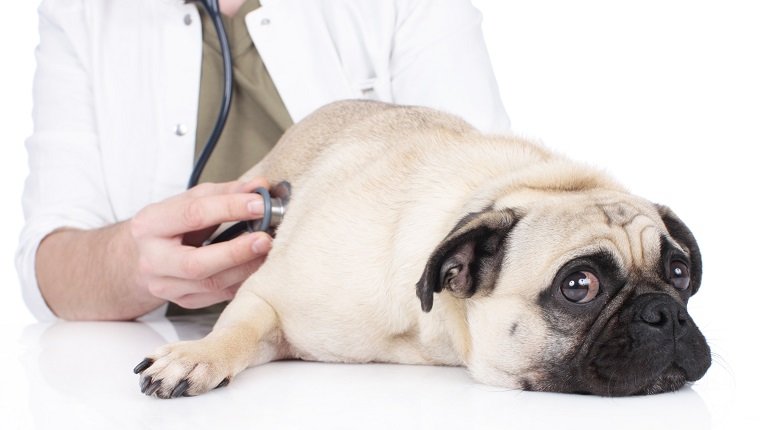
620	380
631	357
671	380
627	381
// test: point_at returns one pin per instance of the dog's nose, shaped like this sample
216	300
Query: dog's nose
665	315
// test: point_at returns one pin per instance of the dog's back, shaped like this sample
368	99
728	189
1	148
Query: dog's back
341	123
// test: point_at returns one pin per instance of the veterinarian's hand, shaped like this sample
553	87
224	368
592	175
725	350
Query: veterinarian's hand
172	266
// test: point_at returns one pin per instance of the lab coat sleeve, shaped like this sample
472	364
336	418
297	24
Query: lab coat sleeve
439	56
65	186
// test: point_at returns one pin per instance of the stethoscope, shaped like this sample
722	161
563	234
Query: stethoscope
276	200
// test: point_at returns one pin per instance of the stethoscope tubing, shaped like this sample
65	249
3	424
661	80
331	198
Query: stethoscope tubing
212	7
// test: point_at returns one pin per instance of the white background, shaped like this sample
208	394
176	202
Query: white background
664	94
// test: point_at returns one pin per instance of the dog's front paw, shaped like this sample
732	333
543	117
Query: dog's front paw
183	369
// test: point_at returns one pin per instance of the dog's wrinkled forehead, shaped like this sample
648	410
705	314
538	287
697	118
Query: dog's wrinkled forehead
562	228
635	231
618	213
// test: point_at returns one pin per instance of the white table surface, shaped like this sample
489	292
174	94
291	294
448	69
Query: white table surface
79	376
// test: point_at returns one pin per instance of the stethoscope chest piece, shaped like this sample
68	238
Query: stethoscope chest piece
275	205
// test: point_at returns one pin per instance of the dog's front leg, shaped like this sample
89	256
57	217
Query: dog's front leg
246	334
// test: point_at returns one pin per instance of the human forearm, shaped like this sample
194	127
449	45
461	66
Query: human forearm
92	275
130	268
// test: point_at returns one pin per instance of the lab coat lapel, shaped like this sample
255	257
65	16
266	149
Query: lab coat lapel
297	49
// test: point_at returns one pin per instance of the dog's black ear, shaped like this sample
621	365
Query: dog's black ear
469	258
683	236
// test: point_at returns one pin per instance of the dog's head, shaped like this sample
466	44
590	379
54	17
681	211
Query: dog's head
581	291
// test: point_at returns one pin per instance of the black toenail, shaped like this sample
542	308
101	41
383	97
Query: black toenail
143	365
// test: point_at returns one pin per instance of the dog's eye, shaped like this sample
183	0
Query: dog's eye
580	287
679	275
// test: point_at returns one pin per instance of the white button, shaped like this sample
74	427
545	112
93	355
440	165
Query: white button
180	129
188	19
265	21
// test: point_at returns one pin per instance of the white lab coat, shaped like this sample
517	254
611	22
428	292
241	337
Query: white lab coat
116	92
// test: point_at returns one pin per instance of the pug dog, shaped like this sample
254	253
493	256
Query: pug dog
412	238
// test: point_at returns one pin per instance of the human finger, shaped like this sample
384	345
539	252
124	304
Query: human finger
212	188
201	300
200	263
179	216
170	288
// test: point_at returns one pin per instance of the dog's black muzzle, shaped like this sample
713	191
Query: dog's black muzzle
653	346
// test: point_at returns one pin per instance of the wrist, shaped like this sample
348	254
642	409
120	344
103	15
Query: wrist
123	243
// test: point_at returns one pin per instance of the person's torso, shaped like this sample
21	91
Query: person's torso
146	85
